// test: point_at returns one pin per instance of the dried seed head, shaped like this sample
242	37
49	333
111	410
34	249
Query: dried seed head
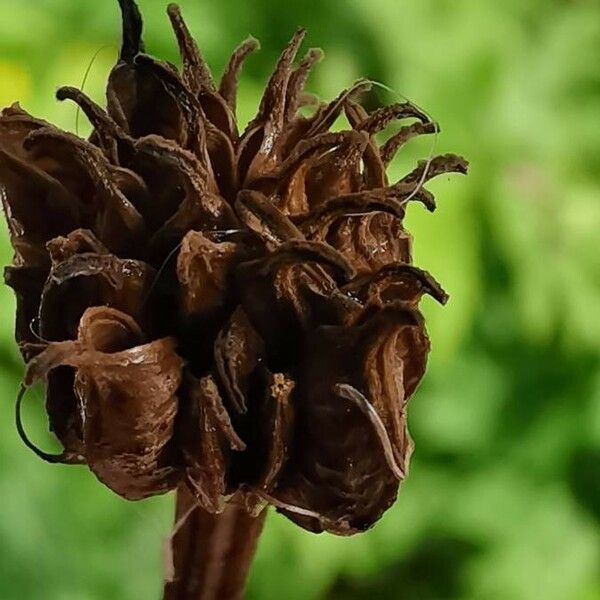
237	312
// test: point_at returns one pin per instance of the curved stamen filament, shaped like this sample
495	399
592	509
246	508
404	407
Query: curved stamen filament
65	458
348	392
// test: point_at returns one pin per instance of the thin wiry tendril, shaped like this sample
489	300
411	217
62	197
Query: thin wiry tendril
350	393
62	458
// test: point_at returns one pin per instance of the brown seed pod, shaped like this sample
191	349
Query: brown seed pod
235	311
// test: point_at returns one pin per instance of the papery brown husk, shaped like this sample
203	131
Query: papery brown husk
234	312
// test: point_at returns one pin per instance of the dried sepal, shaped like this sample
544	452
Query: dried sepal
205	268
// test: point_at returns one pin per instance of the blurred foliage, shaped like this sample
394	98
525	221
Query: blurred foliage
503	502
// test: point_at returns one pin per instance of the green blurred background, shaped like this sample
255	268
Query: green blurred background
503	502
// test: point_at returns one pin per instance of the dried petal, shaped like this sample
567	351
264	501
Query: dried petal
15	125
370	241
291	193
22	183
137	99
84	170
395	282
328	114
374	175
139	102
27	283
208	448
344	471
269	430
289	292
86	280
205	269
337	172
132	30
238	350
127	394
188	192
277	422
115	143
263	218
79	241
269	122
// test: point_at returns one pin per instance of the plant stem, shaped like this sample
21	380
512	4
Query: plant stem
212	553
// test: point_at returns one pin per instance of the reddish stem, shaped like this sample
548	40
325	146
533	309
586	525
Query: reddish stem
212	554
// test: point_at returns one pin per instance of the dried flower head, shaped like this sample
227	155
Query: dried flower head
237	312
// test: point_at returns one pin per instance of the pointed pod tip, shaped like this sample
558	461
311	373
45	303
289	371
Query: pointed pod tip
132	30
173	9
360	87
316	54
456	163
66	92
252	43
297	38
